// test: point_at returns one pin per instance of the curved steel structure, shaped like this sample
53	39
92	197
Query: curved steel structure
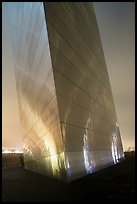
67	112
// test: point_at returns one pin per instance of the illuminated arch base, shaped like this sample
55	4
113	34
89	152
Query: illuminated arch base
68	118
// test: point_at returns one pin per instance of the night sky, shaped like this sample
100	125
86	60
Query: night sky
116	21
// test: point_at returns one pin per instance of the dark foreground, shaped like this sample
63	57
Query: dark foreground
113	183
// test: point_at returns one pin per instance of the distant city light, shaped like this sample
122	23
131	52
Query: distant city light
18	151
6	151
129	149
11	151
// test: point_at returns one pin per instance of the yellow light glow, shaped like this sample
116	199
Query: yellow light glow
18	151
48	138
6	151
12	151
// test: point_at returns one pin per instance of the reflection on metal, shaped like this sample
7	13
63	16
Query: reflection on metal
63	89
68	167
114	148
89	165
86	159
55	165
50	144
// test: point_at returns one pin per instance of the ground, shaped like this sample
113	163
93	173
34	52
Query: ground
113	183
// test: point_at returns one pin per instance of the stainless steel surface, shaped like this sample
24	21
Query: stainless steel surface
67	113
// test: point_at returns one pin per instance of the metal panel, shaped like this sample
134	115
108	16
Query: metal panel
89	126
43	147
